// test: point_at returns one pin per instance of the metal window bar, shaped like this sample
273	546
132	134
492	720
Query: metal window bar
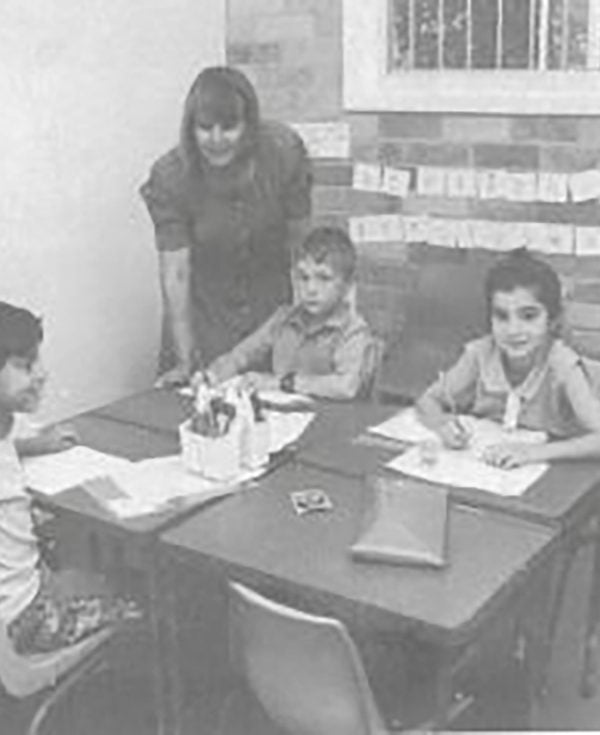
532	13
593	49
543	34
564	41
469	34
499	27
441	34
412	18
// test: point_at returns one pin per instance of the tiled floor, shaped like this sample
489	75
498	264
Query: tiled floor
563	709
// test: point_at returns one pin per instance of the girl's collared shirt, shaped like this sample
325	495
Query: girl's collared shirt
543	402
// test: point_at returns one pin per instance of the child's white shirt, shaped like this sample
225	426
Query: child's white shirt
19	553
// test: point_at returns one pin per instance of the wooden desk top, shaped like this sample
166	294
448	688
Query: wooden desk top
158	410
256	537
564	495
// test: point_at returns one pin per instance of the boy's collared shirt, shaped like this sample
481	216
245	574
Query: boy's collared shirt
339	345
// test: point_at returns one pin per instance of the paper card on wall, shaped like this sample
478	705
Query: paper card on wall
416	229
431	181
585	185
376	228
558	239
535	235
505	236
395	181
491	184
325	139
441	232
464	234
461	182
367	177
587	240
552	187
520	187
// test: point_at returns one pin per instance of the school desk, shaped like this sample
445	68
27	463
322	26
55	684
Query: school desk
455	626
565	497
131	541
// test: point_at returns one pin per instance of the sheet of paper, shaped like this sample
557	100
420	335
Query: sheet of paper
441	232
587	240
431	181
283	399
461	182
377	228
395	182
52	473
406	426
585	185
558	239
286	427
520	187
552	187
464	469
491	184
325	139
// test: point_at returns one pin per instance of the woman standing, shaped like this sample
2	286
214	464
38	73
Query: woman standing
227	205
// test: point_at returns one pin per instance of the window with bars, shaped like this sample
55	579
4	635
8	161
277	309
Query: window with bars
500	56
492	34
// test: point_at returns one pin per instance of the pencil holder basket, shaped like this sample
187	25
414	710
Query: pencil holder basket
217	458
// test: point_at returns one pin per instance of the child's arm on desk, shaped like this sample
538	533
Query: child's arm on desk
48	440
586	407
437	407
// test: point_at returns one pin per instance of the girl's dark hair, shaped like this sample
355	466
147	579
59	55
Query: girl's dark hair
330	244
520	269
20	332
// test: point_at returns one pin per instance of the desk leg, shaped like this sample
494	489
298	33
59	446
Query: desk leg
588	682
156	605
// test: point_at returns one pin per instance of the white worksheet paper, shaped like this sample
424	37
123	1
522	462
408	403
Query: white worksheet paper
461	468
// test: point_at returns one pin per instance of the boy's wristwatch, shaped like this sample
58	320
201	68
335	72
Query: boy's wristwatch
288	383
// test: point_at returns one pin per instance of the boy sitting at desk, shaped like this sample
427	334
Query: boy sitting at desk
41	609
319	345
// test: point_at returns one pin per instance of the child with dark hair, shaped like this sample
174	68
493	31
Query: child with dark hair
521	373
42	609
319	345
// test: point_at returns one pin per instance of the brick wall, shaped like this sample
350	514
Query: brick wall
291	49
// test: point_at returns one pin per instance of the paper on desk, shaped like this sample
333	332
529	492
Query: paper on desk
464	469
52	473
406	426
285	428
283	399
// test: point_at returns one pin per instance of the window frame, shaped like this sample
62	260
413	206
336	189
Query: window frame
368	85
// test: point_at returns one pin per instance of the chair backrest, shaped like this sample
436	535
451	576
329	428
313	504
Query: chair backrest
444	309
24	675
304	670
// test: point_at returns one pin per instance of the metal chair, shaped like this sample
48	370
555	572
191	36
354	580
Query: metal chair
38	682
303	674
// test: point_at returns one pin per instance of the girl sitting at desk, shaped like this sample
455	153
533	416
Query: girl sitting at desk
520	374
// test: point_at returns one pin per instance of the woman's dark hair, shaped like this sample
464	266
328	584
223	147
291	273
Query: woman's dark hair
520	269
20	332
330	244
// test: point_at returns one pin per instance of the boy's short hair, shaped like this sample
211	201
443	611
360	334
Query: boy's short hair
331	245
20	332
520	269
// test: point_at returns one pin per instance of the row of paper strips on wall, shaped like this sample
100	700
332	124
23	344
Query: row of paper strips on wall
560	239
510	186
332	140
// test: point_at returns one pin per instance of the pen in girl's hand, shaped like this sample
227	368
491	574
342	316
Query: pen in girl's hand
460	434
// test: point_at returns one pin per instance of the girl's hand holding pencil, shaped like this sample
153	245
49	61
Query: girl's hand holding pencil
453	433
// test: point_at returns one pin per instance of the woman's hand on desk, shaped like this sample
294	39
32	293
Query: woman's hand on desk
510	455
176	377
